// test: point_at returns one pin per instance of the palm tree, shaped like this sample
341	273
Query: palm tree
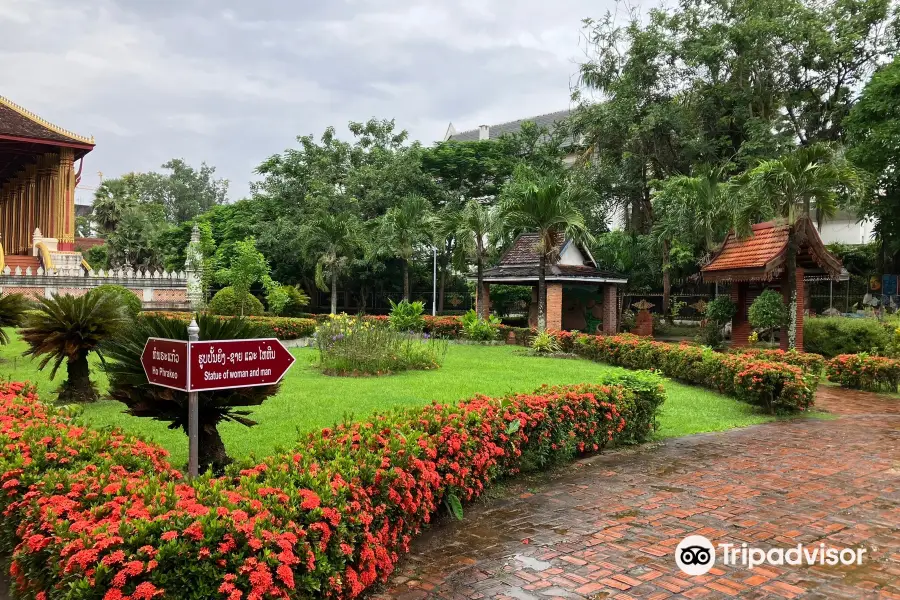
695	207
477	224
332	239
545	205
128	383
12	314
403	228
67	329
789	188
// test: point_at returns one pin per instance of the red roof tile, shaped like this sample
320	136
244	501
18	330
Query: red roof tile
765	245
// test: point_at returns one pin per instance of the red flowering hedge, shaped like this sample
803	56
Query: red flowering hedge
808	361
283	328
774	385
864	372
100	515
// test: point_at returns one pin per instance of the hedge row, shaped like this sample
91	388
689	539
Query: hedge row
808	361
772	384
283	328
100	515
865	372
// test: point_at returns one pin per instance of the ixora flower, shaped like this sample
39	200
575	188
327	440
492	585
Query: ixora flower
329	518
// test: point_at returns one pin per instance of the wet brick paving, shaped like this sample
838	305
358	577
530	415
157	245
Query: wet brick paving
607	526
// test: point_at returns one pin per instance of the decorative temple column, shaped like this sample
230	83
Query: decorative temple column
65	198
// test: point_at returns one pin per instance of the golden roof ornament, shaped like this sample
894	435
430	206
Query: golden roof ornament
643	305
699	306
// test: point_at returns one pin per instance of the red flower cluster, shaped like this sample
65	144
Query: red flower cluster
103	515
865	372
808	361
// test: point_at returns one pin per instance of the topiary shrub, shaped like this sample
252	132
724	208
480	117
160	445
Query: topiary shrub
768	312
296	304
832	336
227	303
122	296
718	312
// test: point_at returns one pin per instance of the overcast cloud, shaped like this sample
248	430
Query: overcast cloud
231	82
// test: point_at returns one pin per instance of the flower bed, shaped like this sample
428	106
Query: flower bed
102	515
864	372
283	328
774	385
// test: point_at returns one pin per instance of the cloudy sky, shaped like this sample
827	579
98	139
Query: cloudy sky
231	82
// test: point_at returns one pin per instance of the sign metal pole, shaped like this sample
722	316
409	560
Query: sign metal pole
434	287
193	411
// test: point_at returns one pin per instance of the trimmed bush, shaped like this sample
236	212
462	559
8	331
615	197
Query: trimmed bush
227	303
865	372
123	296
773	385
103	515
831	336
283	328
768	312
809	362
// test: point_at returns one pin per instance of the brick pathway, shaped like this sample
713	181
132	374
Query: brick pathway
607	526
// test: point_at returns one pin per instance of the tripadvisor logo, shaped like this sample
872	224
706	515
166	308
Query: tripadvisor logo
696	555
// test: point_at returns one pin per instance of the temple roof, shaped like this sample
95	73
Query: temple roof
761	256
17	122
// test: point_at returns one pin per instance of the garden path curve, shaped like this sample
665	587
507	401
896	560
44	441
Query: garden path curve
607	526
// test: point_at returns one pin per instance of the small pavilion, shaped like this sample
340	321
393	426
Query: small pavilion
580	295
757	263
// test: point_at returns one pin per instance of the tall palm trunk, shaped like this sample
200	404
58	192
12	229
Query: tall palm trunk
211	452
405	279
791	286
334	292
667	280
479	290
443	285
542	294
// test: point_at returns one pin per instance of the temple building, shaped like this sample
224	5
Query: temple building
40	165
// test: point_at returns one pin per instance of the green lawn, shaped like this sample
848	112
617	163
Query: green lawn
310	400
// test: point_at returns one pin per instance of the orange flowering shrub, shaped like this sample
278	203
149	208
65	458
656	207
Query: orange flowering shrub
865	372
101	515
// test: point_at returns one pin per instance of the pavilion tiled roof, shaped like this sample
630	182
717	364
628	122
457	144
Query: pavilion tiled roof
524	250
763	254
18	122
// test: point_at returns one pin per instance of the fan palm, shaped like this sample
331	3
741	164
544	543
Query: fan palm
789	188
404	228
545	205
477	224
332	239
12	314
67	329
128	383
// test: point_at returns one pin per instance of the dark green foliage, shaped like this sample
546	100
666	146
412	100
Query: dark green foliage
122	296
128	383
768	311
832	336
226	303
507	299
97	257
12	313
67	329
720	310
407	316
645	395
297	302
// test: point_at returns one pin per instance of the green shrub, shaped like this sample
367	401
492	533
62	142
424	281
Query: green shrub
226	303
768	312
641	405
718	312
296	304
831	336
865	372
407	316
545	343
355	346
97	257
123	296
480	330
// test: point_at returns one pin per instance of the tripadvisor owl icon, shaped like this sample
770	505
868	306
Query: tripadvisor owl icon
695	555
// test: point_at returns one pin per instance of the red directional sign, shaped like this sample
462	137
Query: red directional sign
225	364
166	363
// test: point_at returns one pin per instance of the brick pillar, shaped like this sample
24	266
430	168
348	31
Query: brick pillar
610	309
740	326
554	306
801	295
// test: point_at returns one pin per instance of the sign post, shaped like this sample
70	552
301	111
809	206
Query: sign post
193	408
193	366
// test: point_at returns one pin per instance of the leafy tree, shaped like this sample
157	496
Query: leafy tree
768	312
332	239
67	329
873	131
128	383
247	267
789	188
404	228
112	198
184	192
478	226
543	204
